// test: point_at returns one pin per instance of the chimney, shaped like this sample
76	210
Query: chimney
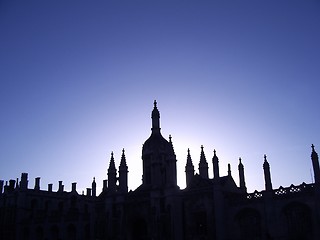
12	184
24	181
37	183
1	186
60	187
74	187
89	192
50	187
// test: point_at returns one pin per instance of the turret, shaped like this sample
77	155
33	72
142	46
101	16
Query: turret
203	165
189	169
241	176
94	187
123	174
267	175
315	164
112	175
229	170
171	166
215	162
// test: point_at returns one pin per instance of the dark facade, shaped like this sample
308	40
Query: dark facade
215	209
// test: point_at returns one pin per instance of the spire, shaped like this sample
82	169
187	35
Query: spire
241	175
155	119
267	175
112	175
215	162
94	187
203	165
123	174
189	169
189	160
112	165
315	164
229	169
123	162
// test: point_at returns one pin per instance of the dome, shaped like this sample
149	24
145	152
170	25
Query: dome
156	143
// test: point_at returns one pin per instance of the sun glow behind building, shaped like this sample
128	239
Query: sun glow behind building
78	81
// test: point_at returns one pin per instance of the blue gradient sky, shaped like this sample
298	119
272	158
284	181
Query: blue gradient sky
78	80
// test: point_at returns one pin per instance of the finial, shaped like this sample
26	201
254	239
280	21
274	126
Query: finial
265	157
155	103
111	163
94	179
239	160
170	138
229	169
312	146
188	151
202	148
122	151
214	152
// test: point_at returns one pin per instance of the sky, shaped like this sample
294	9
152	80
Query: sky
78	80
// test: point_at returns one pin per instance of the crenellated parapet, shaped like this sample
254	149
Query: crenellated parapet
13	186
284	192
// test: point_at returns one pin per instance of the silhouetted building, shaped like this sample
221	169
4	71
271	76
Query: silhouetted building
215	209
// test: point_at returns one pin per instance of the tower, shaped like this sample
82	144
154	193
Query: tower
267	175
189	169
158	157
123	174
315	164
242	182
94	187
215	162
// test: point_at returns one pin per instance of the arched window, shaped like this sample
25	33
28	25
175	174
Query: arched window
54	233
139	229
47	206
71	232
87	232
60	206
299	223
25	233
34	207
39	235
249	221
73	202
86	208
34	204
200	221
